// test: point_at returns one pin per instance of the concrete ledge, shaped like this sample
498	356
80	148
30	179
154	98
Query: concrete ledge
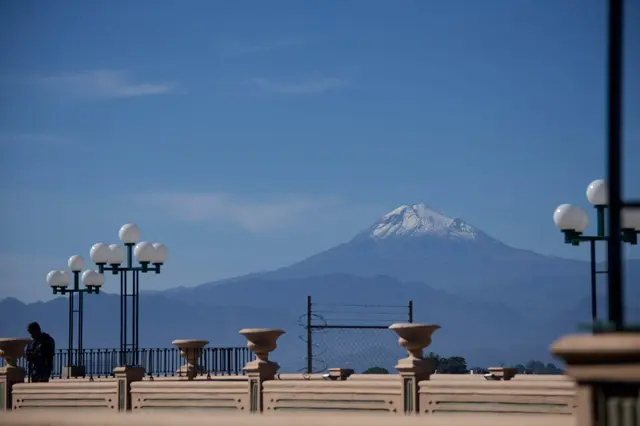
190	394
65	394
173	418
499	397
464	377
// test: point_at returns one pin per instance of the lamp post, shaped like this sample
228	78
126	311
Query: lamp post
111	258
59	282
573	221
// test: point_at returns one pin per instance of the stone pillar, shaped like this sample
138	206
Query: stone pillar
11	349
606	368
191	350
124	377
414	368
260	341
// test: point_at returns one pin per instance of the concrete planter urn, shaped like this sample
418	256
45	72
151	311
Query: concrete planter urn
415	338
12	349
191	350
261	341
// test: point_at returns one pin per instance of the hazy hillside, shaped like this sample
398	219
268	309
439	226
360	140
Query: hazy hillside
218	312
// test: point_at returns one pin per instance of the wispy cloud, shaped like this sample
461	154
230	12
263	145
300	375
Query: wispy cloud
105	84
303	87
42	139
264	46
256	216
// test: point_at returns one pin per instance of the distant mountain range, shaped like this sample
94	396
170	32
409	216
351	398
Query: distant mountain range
495	303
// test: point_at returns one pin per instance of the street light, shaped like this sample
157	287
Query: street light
59	282
150	256
573	221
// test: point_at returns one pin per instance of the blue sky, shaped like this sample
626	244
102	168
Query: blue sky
248	135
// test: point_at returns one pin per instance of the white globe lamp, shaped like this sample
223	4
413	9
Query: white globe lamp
129	233
65	279
100	254
116	256
598	193
145	252
570	218
160	253
91	278
54	278
76	263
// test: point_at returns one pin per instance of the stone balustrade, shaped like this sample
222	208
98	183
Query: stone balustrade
602	369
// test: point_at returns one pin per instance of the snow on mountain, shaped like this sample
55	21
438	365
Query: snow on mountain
420	220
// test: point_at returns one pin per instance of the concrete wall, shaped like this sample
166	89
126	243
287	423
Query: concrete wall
171	418
548	395
77	394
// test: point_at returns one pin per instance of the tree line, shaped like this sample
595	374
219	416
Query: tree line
458	365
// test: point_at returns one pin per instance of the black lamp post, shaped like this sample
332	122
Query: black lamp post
59	282
111	258
573	221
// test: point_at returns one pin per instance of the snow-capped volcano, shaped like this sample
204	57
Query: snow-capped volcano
419	220
415	242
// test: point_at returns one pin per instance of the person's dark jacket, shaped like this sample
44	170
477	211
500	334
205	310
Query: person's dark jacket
40	354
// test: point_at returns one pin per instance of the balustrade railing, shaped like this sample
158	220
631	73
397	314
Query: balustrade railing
157	362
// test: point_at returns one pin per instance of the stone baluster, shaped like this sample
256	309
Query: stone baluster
124	377
261	341
414	368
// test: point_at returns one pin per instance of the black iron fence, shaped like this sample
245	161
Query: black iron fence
157	362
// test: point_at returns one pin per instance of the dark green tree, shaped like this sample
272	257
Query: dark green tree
521	368
535	367
552	369
375	370
451	365
538	367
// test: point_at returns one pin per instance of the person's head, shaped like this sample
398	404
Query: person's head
34	329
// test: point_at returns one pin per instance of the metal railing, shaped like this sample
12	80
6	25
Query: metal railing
157	362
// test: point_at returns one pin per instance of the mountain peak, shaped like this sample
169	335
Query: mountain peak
419	220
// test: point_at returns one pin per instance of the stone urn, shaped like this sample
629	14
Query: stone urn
415	338
191	350
12	349
262	341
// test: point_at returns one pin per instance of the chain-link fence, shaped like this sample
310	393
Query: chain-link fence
353	336
357	348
